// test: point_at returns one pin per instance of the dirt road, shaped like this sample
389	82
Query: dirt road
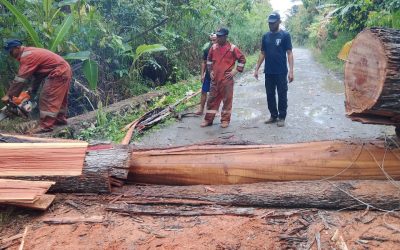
316	112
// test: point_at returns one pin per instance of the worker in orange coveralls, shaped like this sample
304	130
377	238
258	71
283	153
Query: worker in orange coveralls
42	64
221	62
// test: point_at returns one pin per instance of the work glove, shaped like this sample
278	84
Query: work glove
5	99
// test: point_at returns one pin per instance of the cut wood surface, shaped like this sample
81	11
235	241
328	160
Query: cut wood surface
22	191
100	164
29	194
294	194
42	159
42	203
235	164
372	78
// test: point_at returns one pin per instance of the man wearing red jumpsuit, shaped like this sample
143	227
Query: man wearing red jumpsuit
221	62
42	64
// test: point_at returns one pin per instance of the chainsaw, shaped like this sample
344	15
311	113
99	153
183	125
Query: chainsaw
20	106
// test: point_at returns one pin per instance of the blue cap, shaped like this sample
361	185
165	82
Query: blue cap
11	44
222	32
274	17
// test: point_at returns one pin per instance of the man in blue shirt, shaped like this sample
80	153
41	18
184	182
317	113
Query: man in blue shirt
276	51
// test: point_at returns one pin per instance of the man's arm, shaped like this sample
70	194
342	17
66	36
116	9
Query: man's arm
291	64
241	61
203	70
210	63
261	58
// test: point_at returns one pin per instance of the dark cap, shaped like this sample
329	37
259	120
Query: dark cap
222	32
274	17
11	44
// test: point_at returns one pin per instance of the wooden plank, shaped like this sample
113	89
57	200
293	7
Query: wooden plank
42	203
42	159
236	164
23	192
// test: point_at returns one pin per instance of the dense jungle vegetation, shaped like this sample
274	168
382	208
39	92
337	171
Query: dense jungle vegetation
121	48
326	25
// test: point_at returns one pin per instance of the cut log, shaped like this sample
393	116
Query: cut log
99	166
372	76
296	194
234	164
65	163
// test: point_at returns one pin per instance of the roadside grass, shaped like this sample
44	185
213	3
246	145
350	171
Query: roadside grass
109	127
327	55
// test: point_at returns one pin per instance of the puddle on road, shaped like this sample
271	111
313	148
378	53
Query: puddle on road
333	85
246	113
321	114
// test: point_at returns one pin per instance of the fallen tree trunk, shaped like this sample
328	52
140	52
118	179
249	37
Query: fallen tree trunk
238	164
78	123
372	78
297	194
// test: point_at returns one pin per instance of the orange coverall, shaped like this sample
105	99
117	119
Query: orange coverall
221	60
45	65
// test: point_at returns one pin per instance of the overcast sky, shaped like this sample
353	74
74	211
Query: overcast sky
282	6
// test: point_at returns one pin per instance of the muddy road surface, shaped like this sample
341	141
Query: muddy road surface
315	112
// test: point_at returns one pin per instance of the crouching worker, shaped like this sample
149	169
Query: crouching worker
49	68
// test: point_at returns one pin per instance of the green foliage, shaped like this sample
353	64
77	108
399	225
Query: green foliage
326	25
327	55
138	62
91	72
62	32
24	22
81	55
110	127
384	19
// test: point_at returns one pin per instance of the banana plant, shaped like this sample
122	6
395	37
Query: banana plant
139	52
90	67
24	22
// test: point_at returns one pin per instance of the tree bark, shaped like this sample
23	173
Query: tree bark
372	78
296	194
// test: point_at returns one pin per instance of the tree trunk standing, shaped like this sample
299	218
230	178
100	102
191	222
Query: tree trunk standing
372	77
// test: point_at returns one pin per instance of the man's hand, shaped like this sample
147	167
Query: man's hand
5	99
290	76
256	74
212	75
230	75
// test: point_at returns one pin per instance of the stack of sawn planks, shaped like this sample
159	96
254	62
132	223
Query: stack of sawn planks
27	168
